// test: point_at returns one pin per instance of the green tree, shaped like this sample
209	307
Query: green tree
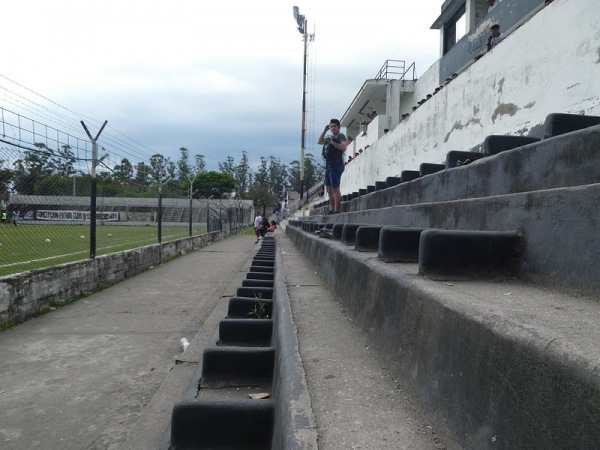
214	184
158	168
243	176
314	173
278	177
262	174
123	171
53	185
183	164
262	196
200	163
32	167
228	166
142	175
63	162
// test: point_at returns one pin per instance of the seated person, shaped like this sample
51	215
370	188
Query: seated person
273	226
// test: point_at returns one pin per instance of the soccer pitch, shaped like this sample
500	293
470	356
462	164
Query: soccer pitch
32	246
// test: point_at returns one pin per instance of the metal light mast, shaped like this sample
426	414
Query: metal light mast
302	25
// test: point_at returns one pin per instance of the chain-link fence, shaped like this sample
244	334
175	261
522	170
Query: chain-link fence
47	198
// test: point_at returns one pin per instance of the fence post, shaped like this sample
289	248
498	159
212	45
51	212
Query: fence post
94	187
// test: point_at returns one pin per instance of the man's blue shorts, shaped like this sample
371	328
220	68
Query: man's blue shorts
333	176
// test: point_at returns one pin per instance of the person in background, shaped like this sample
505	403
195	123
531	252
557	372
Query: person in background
334	146
257	223
495	37
491	5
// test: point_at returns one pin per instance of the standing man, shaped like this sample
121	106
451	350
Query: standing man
334	146
495	37
257	225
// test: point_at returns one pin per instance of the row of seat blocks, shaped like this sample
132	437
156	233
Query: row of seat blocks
555	124
454	254
218	412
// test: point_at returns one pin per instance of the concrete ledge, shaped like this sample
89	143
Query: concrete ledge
241	332
367	238
208	425
452	254
488	359
238	366
399	244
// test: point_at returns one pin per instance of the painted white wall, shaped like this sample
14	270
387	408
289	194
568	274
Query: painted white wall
549	65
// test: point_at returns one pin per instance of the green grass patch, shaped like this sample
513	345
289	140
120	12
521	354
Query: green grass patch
33	246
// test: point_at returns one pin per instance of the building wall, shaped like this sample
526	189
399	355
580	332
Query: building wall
549	65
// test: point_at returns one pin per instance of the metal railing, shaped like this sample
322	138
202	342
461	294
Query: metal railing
395	69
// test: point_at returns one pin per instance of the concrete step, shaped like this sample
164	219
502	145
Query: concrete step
566	160
503	364
559	247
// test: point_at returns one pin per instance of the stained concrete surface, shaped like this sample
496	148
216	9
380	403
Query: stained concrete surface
356	401
104	372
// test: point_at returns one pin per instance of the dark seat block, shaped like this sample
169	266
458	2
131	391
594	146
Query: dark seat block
558	123
392	181
458	254
244	307
367	238
495	144
380	185
430	168
263	262
456	158
245	332
349	232
336	231
224	366
399	244
362	192
267	269
409	175
370	188
257	283
257	292
260	276
209	424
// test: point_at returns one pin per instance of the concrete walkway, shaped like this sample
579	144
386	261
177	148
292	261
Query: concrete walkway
105	372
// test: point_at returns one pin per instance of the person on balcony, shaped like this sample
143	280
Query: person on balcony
495	37
334	146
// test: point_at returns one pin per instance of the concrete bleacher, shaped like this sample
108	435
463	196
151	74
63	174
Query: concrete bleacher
479	283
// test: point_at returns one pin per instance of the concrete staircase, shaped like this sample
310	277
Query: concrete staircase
478	282
249	390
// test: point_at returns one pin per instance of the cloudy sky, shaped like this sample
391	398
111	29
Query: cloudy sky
215	77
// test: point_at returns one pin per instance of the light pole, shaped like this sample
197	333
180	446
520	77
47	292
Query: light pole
302	24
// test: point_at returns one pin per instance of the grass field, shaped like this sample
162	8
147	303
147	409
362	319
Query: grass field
24	247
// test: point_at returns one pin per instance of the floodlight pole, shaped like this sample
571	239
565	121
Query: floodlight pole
94	187
302	28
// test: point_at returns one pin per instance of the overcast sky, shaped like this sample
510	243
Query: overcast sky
215	77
